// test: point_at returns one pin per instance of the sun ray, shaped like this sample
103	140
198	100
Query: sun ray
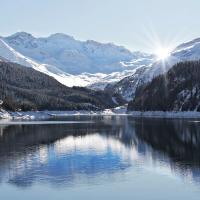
163	53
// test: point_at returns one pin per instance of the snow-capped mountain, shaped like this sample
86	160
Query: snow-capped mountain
73	62
92	64
70	55
185	52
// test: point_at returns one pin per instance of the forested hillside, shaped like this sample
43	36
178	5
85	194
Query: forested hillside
177	90
23	88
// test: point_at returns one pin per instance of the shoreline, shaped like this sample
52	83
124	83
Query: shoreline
120	111
42	115
167	114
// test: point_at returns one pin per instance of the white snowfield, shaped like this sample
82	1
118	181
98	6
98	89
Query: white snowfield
118	111
73	62
42	115
5	115
162	114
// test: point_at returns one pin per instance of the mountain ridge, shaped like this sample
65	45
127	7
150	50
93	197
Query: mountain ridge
176	90
107	61
189	51
116	70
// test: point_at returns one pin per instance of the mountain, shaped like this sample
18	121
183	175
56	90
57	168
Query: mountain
176	90
23	88
70	55
70	61
65	52
91	64
127	87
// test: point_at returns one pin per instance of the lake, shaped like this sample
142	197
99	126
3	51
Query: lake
100	157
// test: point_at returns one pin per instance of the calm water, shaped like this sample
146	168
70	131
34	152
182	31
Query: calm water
100	158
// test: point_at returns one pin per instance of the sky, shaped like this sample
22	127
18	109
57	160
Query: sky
136	24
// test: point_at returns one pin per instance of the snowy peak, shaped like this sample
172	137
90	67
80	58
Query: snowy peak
71	55
188	51
72	62
22	35
187	45
94	44
60	36
127	87
20	38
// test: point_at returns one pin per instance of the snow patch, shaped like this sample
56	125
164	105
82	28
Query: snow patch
161	114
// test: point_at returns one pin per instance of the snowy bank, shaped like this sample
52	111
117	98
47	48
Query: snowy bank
4	114
42	115
161	114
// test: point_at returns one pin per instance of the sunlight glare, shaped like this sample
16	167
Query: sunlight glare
162	53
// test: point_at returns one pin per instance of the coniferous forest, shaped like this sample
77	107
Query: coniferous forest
176	90
23	88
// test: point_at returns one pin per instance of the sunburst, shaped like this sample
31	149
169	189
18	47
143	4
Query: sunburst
163	53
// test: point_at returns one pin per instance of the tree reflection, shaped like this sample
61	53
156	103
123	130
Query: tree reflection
62	154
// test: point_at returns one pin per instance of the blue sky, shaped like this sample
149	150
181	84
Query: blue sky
136	24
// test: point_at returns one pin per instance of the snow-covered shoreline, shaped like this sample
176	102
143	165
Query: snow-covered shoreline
44	115
162	114
4	114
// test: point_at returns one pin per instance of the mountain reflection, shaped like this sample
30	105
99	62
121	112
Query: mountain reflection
65	154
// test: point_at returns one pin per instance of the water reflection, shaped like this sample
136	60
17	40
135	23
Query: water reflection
176	142
66	154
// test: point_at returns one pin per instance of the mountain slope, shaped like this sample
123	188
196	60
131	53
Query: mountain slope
23	88
70	55
177	90
189	51
73	62
127	86
92	64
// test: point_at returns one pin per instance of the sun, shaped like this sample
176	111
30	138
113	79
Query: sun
163	53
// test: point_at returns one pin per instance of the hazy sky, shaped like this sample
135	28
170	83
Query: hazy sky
136	24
